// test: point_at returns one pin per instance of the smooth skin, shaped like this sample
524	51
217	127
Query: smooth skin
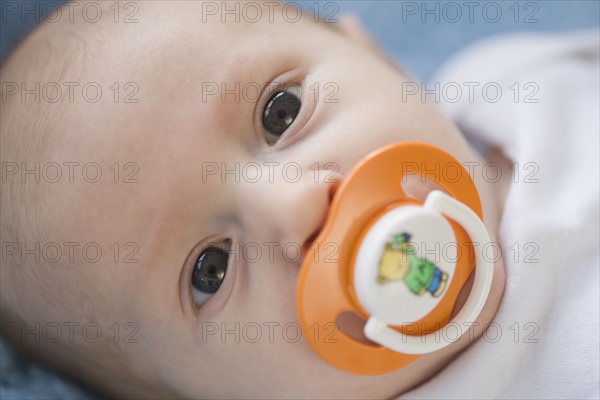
176	209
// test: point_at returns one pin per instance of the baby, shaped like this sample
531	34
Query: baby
166	167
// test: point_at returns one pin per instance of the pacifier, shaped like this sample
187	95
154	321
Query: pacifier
384	269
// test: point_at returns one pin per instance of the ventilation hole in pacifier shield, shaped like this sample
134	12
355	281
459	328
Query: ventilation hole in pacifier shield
352	325
419	187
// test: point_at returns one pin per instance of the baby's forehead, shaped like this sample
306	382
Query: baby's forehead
240	19
209	36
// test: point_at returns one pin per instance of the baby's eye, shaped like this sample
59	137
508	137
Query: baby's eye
209	272
281	110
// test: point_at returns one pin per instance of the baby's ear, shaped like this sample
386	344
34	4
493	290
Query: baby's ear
350	26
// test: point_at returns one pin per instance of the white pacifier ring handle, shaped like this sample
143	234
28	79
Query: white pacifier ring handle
379	332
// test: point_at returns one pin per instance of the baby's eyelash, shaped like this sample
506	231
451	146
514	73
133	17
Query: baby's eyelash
192	259
281	111
290	79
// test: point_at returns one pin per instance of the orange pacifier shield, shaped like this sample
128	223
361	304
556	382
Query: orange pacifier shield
396	262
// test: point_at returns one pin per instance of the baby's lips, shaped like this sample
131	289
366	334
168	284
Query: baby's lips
333	188
308	245
312	239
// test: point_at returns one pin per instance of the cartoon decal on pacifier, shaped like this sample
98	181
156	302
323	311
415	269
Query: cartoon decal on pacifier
401	262
379	276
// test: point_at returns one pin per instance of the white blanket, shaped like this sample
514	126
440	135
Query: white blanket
548	319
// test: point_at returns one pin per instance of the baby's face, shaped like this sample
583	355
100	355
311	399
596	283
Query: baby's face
238	138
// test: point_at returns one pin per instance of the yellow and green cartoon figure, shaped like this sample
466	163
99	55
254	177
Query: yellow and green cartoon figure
399	261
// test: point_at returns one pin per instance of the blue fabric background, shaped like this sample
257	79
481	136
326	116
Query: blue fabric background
422	46
416	39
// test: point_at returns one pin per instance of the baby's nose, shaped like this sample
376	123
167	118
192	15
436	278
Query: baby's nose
290	213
